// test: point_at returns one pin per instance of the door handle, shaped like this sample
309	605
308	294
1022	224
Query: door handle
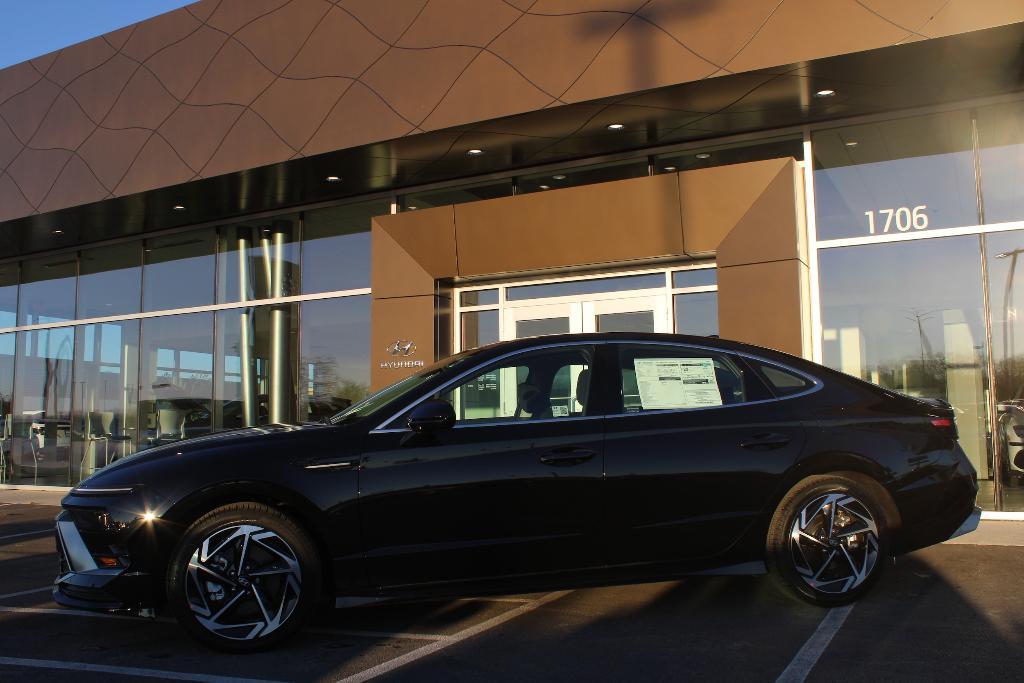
766	442
566	455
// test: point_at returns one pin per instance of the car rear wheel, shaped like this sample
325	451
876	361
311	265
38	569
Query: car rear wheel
828	541
243	578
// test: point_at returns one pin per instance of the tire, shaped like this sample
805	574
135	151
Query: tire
826	560
243	578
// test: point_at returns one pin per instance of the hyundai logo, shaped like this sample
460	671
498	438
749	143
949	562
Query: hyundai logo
402	347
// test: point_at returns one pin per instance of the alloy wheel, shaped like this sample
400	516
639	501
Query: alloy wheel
834	543
243	582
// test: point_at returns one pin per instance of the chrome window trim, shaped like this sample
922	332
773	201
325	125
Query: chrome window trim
816	385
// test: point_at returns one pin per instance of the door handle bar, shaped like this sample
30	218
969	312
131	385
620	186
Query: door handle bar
566	455
765	442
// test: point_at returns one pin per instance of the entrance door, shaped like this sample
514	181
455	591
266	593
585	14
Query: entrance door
619	314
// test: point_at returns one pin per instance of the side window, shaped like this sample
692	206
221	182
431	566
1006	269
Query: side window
543	384
677	377
782	382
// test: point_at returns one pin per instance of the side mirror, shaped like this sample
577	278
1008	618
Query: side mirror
431	416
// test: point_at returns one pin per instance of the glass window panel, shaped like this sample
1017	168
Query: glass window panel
782	381
175	378
536	385
258	260
456	195
639	321
698	277
888	169
48	290
336	246
697	314
334	355
105	418
7	348
179	270
41	411
1001	138
541	327
908	316
110	280
594	286
253	387
479	328
9	294
1006	287
735	153
584	175
479	297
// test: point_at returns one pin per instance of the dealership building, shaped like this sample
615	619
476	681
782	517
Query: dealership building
246	212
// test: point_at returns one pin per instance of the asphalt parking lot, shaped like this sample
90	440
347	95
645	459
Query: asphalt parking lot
952	612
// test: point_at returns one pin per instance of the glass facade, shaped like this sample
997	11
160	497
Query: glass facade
77	395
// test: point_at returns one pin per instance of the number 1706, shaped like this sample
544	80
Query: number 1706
904	219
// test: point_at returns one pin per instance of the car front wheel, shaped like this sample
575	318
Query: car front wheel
828	541
243	578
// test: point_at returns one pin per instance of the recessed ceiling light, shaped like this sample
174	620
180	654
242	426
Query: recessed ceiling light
558	177
851	143
333	178
616	126
58	231
412	208
703	155
545	187
669	168
825	93
178	207
474	152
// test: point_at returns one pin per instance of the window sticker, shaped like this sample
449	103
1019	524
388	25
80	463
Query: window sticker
559	411
666	383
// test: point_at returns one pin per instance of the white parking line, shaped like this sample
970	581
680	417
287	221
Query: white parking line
125	670
812	650
439	645
27	533
375	634
28	592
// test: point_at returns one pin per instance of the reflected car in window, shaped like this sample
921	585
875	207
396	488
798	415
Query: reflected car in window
526	465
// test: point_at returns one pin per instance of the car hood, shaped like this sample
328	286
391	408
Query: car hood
119	470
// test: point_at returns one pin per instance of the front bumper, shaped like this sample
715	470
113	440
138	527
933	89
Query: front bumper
80	583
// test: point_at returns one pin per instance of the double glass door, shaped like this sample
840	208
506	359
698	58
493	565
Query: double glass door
615	314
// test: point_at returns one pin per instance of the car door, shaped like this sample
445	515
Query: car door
512	488
692	454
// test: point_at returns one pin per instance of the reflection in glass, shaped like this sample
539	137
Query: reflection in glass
479	297
175	378
541	327
109	280
47	290
336	246
479	328
7	346
697	277
334	355
258	260
179	270
592	286
41	422
639	321
456	195
1001	140
908	316
891	165
104	421
255	376
735	153
1006	303
9	295
584	175
697	314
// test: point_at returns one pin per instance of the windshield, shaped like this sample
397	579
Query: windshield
371	403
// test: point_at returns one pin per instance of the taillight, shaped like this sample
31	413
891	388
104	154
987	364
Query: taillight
946	425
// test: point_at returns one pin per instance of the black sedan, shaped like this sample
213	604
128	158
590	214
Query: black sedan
541	463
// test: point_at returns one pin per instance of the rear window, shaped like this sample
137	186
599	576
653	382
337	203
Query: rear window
782	382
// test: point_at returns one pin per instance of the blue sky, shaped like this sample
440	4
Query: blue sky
29	28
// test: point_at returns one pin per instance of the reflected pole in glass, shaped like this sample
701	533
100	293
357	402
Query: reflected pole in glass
279	360
245	332
1008	333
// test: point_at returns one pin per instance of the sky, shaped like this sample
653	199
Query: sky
30	28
